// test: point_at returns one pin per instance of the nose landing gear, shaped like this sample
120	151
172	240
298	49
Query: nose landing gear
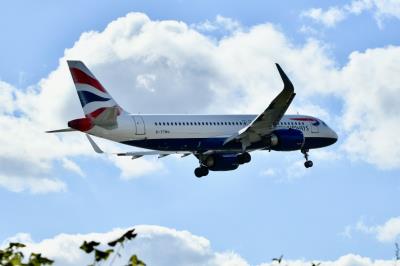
308	163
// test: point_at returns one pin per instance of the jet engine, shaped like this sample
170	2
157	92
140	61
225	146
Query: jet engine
286	140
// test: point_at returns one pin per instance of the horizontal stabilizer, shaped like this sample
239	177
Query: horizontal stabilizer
137	154
94	145
61	130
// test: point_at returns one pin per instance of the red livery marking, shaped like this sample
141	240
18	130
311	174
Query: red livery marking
81	124
81	77
96	113
303	119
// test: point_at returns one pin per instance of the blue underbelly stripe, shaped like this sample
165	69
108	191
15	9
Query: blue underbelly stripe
204	144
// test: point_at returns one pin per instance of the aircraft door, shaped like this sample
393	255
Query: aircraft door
139	125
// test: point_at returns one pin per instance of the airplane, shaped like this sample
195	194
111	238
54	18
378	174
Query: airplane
219	142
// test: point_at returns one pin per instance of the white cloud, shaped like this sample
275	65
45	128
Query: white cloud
371	108
381	9
387	232
35	184
346	260
72	166
328	18
137	167
158	245
146	81
269	172
221	23
26	151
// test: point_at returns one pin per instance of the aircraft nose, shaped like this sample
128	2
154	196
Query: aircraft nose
334	136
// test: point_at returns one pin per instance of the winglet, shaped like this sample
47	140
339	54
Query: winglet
94	145
287	83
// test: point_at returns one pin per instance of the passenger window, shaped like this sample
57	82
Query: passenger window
206	123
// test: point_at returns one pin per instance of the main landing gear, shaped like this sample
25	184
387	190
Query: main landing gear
217	162
308	163
201	171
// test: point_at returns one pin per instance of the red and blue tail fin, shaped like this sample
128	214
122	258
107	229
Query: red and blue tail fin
97	104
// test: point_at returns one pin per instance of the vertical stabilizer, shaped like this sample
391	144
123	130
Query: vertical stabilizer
97	104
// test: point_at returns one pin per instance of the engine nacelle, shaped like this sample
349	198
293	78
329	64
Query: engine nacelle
287	140
221	162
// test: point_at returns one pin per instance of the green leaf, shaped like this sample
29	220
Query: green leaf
102	255
5	255
16	260
88	247
12	245
134	261
128	235
116	241
36	259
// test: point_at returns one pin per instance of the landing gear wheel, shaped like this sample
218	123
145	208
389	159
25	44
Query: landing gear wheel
201	171
246	157
308	164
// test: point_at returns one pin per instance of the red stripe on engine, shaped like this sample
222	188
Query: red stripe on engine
81	77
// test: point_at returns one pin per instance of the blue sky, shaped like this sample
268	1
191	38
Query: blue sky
269	207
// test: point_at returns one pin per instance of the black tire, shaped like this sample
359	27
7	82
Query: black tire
246	157
198	172
308	164
240	159
204	171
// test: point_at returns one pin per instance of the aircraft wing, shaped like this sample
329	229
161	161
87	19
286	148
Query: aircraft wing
138	154
264	123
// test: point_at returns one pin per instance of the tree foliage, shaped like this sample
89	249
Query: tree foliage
13	256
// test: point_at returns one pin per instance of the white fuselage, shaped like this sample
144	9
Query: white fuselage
146	130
